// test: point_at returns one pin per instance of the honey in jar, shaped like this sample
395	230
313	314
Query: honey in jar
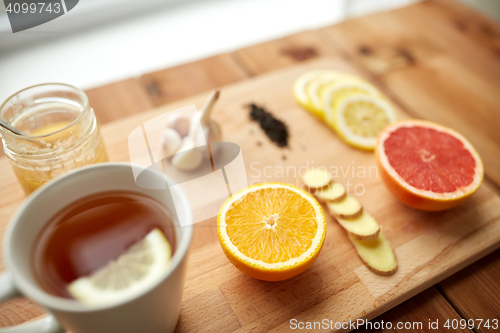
61	133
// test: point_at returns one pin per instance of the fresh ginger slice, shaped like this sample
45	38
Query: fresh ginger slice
363	227
349	208
377	254
316	178
334	192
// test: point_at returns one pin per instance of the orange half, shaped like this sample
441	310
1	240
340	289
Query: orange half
271	231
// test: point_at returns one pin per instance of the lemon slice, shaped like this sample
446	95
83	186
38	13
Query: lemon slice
314	88
300	87
133	272
335	93
319	89
308	81
358	119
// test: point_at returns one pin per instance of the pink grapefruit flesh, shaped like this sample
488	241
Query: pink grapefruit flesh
426	165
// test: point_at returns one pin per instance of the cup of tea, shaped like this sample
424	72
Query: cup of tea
99	252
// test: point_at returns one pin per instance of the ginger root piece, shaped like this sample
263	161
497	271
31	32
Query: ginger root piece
376	254
333	192
348	209
316	178
363	228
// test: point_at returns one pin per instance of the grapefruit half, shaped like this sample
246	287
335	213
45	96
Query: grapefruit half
427	166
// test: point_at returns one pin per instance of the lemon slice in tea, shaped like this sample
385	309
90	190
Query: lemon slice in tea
134	271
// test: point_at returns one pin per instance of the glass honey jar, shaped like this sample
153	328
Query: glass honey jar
60	130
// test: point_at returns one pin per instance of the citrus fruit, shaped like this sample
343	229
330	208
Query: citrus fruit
302	84
271	231
337	92
319	90
134	271
428	166
350	105
358	119
313	90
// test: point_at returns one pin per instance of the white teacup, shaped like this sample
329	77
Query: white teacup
154	310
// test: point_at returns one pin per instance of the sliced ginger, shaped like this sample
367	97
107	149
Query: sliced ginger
363	230
333	192
349	208
316	178
363	227
377	254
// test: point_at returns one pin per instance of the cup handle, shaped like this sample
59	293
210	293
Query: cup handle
7	288
46	324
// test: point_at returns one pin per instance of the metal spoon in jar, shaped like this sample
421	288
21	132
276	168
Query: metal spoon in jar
11	128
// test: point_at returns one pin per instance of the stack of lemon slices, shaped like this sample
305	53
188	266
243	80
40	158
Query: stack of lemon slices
354	108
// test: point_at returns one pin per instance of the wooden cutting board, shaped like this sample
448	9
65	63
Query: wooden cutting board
337	287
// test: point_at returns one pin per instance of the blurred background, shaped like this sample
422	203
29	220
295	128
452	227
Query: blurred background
102	41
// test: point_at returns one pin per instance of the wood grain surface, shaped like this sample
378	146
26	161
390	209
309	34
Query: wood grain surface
443	36
338	286
434	308
451	77
432	73
401	43
474	291
286	51
253	309
185	80
117	100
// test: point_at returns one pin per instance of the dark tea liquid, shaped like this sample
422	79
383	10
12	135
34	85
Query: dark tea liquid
91	232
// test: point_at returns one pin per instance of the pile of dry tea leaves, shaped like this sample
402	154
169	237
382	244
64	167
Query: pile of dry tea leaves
275	129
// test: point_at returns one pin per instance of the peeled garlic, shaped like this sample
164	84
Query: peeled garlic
170	140
188	158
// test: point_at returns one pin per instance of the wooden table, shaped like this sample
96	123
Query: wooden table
437	60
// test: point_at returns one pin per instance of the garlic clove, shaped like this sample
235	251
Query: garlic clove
189	158
170	140
213	133
179	123
215	136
